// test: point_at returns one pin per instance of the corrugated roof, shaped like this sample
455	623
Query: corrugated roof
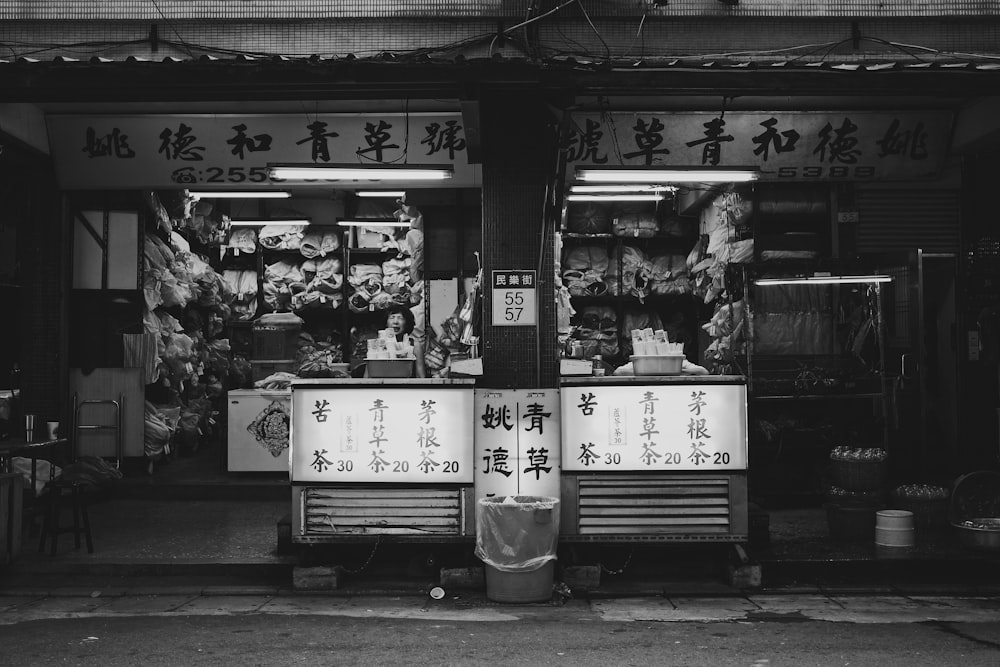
243	77
648	64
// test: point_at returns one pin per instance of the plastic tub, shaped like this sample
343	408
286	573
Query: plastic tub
894	528
980	533
516	539
390	368
667	364
519	587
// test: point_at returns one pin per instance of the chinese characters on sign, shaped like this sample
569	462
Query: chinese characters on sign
513	299
864	145
378	434
219	150
654	427
517	442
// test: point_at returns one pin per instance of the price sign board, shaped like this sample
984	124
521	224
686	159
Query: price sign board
689	427
356	433
514	298
517	442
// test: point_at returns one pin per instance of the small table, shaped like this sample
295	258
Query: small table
43	449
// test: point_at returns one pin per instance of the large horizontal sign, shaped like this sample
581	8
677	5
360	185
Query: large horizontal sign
654	427
218	151
379	434
804	146
517	442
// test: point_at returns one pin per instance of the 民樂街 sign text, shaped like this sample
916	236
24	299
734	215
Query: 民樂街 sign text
799	145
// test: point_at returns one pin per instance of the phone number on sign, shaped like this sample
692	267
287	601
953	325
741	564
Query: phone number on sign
837	171
189	175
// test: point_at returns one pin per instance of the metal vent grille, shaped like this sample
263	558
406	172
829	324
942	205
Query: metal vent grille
352	511
644	506
891	219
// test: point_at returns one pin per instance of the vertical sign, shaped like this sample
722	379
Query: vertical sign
514	299
517	442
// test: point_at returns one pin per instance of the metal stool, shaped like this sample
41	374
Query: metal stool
57	491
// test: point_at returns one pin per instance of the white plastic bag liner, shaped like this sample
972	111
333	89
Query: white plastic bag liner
517	533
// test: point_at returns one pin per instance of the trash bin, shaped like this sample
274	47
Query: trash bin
516	539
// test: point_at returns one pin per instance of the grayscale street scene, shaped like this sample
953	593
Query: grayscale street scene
499	332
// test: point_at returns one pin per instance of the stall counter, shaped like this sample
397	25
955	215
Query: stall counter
654	458
382	456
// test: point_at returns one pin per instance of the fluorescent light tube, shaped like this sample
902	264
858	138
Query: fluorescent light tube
240	194
372	223
678	175
272	221
359	172
615	197
824	280
620	188
381	193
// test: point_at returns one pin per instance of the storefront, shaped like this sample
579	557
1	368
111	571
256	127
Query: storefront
740	236
213	273
687	264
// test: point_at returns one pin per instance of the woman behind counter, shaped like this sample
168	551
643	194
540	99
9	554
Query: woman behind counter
400	319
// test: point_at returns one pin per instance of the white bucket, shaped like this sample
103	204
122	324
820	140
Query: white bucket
894	528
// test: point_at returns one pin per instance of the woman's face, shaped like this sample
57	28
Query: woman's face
396	322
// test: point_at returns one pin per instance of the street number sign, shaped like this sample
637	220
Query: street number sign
514	298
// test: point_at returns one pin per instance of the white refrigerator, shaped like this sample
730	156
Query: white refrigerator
257	437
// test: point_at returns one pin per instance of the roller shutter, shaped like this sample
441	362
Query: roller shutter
894	218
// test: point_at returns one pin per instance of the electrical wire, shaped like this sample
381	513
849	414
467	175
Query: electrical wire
607	49
540	16
24	49
896	46
638	35
172	28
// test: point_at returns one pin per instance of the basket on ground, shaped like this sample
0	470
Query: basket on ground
974	510
928	503
858	475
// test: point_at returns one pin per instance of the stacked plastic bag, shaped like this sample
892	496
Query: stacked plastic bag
323	279
243	285
281	237
282	279
629	272
584	269
668	274
319	243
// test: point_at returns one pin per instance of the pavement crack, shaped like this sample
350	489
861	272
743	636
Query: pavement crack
950	629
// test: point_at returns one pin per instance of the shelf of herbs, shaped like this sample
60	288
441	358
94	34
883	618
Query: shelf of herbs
654	445
247	309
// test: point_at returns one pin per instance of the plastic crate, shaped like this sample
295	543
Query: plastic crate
275	343
265	367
